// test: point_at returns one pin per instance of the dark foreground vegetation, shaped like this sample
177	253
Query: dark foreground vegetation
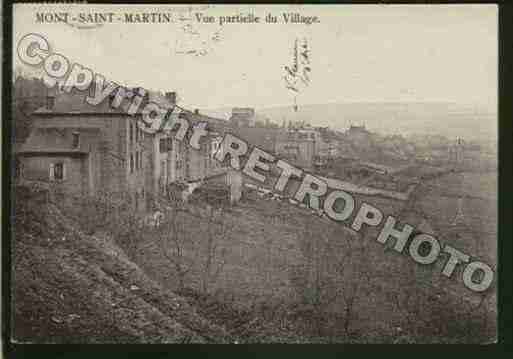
259	272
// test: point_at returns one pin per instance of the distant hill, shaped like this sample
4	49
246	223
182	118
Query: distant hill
440	118
446	119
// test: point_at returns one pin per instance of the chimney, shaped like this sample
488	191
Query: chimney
171	97
196	111
50	102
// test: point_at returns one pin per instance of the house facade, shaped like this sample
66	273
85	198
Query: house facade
83	150
297	147
176	161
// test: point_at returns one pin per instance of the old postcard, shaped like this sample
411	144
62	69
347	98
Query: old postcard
254	173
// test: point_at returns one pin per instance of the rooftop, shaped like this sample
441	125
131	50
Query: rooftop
74	103
59	140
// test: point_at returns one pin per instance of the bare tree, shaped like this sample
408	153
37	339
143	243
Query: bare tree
218	230
315	279
172	235
334	276
353	275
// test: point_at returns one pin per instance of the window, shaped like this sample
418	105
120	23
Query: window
162	145
140	160
75	139
57	172
136	159
136	134
50	102
131	163
131	136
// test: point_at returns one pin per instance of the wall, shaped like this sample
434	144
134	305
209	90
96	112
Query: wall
136	178
111	157
304	149
75	183
199	162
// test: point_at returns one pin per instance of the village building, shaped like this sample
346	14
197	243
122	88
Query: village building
84	150
297	147
263	138
176	161
247	117
359	135
243	117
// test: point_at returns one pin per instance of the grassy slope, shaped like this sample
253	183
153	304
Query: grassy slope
93	274
73	288
266	246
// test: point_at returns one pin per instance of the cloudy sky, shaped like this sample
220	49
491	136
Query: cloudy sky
415	53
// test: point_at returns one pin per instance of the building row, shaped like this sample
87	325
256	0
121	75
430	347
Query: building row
305	146
84	150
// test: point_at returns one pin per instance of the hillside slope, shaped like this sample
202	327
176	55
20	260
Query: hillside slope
68	287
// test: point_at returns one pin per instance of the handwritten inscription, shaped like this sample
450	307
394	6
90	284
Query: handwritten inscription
297	75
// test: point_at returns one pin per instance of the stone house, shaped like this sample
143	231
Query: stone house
83	150
297	147
177	161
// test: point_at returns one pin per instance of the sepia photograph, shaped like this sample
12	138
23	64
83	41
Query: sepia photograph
253	174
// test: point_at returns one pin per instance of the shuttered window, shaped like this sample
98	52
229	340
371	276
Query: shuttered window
57	171
75	140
